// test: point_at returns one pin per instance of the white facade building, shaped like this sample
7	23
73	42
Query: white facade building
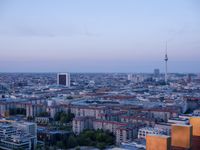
148	130
18	136
63	79
135	78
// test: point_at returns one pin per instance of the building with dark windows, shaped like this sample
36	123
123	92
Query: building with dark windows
63	79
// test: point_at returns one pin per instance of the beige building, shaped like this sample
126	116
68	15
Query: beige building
107	125
82	123
162	114
87	111
126	134
137	119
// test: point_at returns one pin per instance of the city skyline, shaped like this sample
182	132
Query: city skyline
88	36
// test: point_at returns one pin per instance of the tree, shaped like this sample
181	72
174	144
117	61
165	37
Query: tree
90	134
15	111
39	147
101	146
72	142
78	148
60	144
110	140
98	138
57	116
64	117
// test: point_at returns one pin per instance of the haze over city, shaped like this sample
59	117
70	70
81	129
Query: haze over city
99	75
99	36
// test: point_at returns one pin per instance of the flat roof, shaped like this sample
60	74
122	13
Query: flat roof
159	135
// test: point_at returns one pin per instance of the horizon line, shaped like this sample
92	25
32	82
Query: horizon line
100	72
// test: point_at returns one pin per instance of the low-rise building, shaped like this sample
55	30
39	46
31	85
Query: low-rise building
178	121
166	127
42	120
82	123
149	130
196	112
18	136
107	125
126	133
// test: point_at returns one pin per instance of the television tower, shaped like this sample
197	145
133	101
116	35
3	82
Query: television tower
166	59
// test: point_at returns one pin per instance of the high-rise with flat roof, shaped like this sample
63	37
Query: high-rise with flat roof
156	72
63	79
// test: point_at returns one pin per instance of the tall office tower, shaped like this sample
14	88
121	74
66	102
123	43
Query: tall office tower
198	76
130	77
189	78
156	72
63	79
166	59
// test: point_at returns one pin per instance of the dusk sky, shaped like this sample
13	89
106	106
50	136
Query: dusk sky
99	35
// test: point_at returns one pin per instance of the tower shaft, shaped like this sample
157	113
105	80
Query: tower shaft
166	78
166	67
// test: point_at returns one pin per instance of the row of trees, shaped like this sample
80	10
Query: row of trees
100	139
64	117
17	111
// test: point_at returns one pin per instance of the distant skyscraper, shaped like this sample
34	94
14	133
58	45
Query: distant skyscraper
198	76
166	59
156	72
63	79
130	77
189	78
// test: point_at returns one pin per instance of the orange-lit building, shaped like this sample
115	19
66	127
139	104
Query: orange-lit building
195	122
158	142
181	136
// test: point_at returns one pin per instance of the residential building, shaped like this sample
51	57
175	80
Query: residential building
18	136
143	132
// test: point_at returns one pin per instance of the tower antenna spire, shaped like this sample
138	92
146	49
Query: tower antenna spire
166	59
